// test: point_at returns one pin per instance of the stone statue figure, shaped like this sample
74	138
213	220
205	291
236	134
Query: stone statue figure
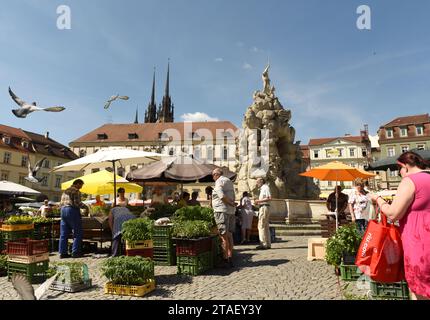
266	81
276	157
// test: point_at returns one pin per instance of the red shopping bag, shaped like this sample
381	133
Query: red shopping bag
380	255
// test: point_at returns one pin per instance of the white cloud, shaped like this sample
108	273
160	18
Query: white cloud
197	117
219	60
255	49
247	66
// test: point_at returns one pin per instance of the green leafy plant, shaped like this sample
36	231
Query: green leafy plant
69	272
135	271
191	229
19	220
137	230
41	220
99	210
3	263
195	213
346	240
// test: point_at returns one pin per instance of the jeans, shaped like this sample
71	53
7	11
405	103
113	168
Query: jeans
361	225
116	246
70	221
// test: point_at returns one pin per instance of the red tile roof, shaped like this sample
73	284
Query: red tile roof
149	131
404	121
318	142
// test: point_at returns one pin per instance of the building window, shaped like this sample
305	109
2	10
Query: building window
391	152
420	130
4	175
405	148
46	164
102	136
6	140
82	153
25	144
352	152
133	136
95	170
197	153
389	133
330	183
403	131
210	153
327	153
121	172
22	180
24	161
394	173
7	157
225	154
316	154
45	180
364	152
340	152
421	146
58	182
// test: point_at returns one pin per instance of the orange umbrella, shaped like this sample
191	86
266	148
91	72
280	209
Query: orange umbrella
336	171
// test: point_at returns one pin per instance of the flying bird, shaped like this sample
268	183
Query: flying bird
32	172
26	108
26	290
113	98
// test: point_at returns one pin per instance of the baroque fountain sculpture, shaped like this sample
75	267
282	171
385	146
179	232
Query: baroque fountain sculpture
267	149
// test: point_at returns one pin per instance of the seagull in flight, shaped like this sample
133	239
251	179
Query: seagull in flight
113	98
26	290
26	108
32	172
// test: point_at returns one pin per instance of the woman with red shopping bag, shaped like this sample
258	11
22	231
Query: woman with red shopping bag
411	207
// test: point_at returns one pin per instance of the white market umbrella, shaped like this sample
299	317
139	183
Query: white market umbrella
11	188
109	157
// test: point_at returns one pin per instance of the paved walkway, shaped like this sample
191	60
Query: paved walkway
280	273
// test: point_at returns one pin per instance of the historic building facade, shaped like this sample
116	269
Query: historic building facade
354	151
400	135
19	147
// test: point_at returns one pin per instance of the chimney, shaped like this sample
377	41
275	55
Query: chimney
347	134
47	135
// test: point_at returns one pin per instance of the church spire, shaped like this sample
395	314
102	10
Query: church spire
168	79
165	112
151	113
136	120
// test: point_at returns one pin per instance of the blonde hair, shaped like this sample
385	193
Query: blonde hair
359	182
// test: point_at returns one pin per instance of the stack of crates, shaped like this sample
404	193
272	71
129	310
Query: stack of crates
217	252
194	256
42	231
143	248
29	257
397	290
350	272
14	232
164	249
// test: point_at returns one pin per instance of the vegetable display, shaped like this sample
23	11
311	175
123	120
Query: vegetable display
137	230
135	271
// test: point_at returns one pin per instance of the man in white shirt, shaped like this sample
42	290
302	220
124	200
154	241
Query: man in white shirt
263	215
224	212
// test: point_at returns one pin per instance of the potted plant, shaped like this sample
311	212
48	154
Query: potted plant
195	213
191	229
132	276
138	236
71	276
343	246
18	223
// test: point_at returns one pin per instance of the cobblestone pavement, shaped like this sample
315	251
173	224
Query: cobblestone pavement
282	273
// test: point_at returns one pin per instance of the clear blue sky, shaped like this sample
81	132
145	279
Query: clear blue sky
334	77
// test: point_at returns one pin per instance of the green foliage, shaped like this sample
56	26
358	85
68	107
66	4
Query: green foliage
163	210
195	213
19	220
41	220
345	241
3	263
137	230
69	272
56	212
191	229
99	211
134	271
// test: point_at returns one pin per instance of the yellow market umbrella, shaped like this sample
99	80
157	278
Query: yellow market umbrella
369	174
102	182
336	171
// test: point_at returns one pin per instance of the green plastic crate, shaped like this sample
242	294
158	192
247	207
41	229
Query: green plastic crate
162	231
217	254
350	273
15	235
162	242
194	265
164	257
35	272
397	290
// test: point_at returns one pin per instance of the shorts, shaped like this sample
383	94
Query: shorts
225	222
